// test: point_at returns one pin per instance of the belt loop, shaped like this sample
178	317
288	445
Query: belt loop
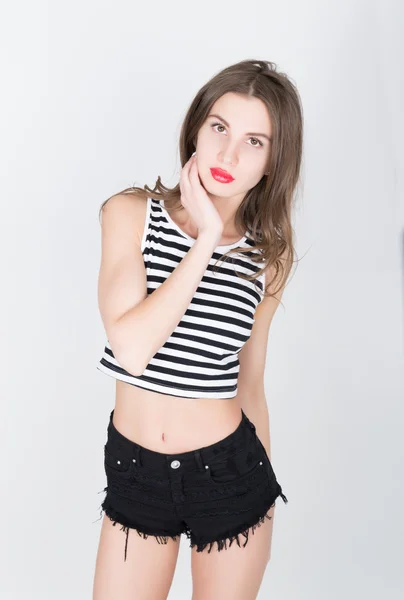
251	424
198	457
138	456
247	421
251	430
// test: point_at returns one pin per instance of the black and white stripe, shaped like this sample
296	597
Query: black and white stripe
200	358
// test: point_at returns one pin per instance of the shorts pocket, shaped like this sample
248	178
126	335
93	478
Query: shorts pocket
236	469
116	464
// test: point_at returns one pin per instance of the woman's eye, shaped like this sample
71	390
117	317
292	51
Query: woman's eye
259	143
218	125
255	139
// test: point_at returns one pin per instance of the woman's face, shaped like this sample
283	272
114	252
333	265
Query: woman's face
234	140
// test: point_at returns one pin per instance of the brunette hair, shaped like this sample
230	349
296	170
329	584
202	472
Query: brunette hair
266	210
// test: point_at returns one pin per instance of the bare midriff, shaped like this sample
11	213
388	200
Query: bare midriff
170	424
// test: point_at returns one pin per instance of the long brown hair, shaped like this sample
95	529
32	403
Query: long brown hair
266	210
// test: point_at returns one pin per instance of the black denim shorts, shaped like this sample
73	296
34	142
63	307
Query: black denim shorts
213	494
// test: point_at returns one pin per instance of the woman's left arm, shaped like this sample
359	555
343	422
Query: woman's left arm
252	358
251	393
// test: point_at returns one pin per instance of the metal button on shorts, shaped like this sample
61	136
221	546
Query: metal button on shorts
175	464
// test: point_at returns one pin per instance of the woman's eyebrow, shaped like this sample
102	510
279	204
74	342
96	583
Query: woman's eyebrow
248	133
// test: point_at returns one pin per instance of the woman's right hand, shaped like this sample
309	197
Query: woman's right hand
197	202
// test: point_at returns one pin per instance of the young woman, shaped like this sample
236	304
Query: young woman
190	279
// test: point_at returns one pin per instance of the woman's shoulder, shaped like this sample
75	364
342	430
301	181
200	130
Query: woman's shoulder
125	201
128	207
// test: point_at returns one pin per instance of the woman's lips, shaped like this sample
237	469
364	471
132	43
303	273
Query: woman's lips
222	176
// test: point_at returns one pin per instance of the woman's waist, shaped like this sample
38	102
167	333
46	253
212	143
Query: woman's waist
171	424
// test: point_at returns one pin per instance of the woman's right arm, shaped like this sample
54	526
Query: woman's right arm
137	324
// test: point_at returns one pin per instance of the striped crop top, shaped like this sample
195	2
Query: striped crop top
200	358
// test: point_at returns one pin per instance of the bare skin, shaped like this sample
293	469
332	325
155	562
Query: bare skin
235	573
146	574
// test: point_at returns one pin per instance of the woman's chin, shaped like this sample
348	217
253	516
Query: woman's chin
213	187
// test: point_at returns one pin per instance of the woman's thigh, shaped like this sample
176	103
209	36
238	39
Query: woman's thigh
147	572
236	572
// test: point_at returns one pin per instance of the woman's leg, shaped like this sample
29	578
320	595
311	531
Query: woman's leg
146	574
234	573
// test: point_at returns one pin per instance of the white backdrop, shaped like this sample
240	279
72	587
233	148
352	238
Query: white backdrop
93	95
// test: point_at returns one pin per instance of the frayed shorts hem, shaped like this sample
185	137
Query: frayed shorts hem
223	542
118	519
233	535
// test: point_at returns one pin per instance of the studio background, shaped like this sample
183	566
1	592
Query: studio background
93	96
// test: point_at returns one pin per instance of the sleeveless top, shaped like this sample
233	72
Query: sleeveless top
200	358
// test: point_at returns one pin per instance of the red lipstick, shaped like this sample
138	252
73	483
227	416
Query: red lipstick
221	175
